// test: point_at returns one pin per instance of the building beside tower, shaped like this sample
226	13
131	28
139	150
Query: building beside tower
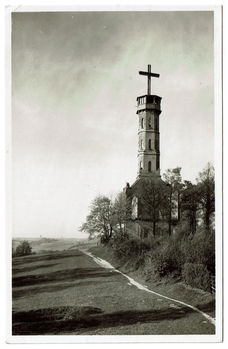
148	157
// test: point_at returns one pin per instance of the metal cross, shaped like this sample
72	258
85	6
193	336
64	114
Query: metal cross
149	75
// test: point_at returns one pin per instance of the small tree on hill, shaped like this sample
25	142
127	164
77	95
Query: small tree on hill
206	190
172	178
100	220
121	213
23	249
190	205
153	196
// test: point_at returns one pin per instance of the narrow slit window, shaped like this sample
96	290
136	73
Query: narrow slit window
149	144
149	166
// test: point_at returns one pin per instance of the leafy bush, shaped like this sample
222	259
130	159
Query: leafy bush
164	266
129	248
23	249
167	259
200	249
209	252
196	275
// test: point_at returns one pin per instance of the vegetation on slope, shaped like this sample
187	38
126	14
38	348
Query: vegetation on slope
179	239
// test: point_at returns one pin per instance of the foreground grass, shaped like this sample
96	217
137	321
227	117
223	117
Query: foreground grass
65	292
171	287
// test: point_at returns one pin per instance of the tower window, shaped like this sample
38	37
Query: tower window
150	144
142	123
149	166
149	123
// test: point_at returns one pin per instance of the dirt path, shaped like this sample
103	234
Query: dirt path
69	293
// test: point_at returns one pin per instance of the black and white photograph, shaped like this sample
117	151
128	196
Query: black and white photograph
115	174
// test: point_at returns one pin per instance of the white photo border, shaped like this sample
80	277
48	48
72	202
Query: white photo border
217	337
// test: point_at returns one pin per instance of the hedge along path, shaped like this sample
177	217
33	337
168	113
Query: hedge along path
107	265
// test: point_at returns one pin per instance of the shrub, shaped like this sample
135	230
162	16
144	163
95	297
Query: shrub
200	250
196	275
167	259
126	247
163	266
23	249
209	252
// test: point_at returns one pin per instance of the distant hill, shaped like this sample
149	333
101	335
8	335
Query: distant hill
49	244
32	241
43	241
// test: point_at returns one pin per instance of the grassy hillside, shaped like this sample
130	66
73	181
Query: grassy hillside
66	292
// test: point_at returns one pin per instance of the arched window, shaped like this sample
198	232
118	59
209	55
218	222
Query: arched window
149	166
149	144
149	122
142	123
141	144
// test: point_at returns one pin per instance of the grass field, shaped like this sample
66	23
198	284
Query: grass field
65	292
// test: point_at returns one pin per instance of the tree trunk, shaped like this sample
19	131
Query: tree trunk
207	214
170	223
170	214
192	222
178	207
154	227
207	208
120	225
110	233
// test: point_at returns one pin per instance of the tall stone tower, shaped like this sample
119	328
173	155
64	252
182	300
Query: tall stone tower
148	111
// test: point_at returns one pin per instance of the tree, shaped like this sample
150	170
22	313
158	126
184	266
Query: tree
152	196
100	220
206	190
190	205
120	213
23	249
172	178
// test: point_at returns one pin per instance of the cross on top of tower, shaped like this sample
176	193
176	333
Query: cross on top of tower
149	75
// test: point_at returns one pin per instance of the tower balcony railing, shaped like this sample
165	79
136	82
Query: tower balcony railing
149	101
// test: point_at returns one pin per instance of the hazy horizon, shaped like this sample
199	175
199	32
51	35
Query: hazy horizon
85	236
74	125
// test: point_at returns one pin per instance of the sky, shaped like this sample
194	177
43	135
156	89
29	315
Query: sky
74	124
